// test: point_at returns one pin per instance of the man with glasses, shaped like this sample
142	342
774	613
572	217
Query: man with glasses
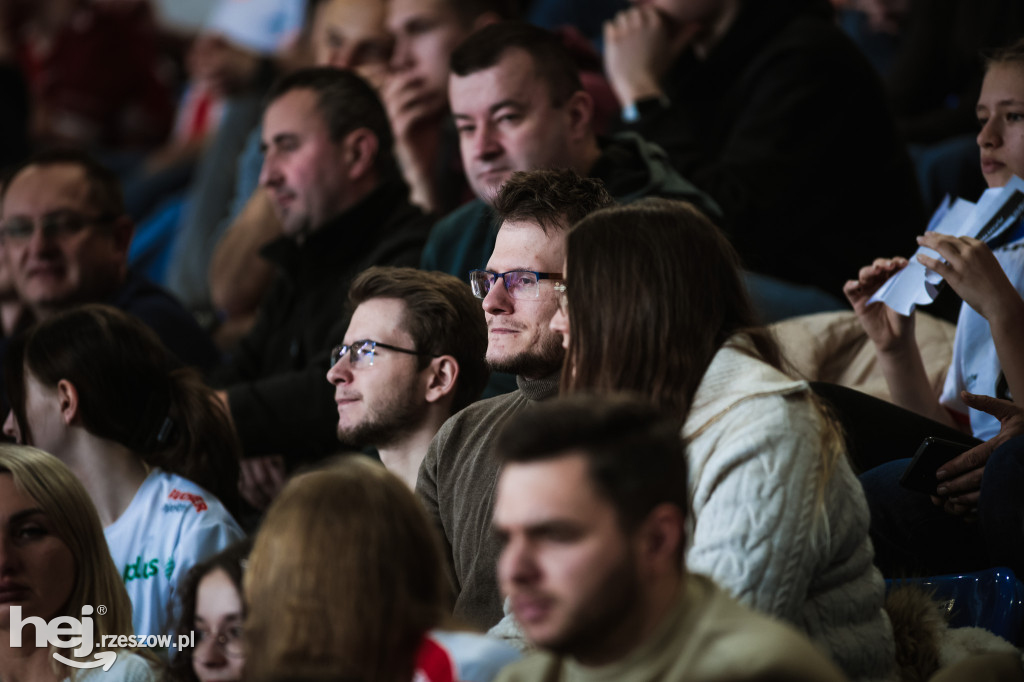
65	236
329	172
458	476
412	356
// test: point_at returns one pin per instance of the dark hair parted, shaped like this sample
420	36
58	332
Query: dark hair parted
654	291
230	561
105	194
130	392
552	62
358	611
442	316
347	103
634	451
553	199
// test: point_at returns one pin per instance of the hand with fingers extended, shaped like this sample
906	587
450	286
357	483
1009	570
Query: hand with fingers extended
640	45
960	477
973	272
888	329
261	479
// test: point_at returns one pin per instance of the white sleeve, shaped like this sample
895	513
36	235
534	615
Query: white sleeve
758	531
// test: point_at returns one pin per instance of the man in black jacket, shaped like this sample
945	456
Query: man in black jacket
334	184
771	110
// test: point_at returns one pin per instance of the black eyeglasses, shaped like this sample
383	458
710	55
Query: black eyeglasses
362	353
521	284
18	230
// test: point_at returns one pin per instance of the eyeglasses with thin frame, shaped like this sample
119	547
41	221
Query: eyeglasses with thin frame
18	230
362	353
563	298
229	641
520	284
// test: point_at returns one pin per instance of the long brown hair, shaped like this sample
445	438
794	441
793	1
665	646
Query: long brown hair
344	579
130	393
654	291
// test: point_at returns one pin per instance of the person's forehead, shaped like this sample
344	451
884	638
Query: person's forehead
542	491
294	112
402	12
379	319
353	18
1003	82
526	245
513	78
48	187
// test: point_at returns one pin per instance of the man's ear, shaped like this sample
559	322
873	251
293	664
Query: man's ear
67	397
442	373
360	149
580	109
660	538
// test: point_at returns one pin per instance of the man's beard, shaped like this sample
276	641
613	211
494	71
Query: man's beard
540	361
604	614
383	428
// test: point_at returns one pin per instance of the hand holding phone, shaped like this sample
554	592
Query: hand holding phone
930	456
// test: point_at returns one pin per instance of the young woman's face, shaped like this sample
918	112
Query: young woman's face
217	656
1001	115
37	569
43	414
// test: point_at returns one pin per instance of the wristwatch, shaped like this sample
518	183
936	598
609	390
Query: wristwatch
645	106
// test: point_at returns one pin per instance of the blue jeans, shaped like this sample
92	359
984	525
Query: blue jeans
912	536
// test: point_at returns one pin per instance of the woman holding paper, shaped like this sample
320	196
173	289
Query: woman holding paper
987	353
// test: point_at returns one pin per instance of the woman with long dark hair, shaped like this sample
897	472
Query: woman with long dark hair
653	303
212	613
153	448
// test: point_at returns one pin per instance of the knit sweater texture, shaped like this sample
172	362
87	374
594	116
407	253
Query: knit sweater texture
457	483
772	522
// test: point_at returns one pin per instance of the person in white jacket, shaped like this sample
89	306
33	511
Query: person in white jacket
653	303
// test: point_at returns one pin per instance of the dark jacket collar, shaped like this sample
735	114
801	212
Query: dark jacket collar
344	238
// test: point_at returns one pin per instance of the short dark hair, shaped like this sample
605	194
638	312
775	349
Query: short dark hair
347	103
553	199
104	186
634	451
551	61
442	316
1008	54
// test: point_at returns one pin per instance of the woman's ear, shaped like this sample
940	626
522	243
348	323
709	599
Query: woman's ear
67	396
443	373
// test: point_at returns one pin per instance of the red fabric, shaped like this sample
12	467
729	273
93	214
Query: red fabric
433	663
95	82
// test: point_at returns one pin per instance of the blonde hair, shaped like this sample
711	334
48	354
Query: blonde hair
358	611
68	507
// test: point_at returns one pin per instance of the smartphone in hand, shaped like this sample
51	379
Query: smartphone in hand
930	456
